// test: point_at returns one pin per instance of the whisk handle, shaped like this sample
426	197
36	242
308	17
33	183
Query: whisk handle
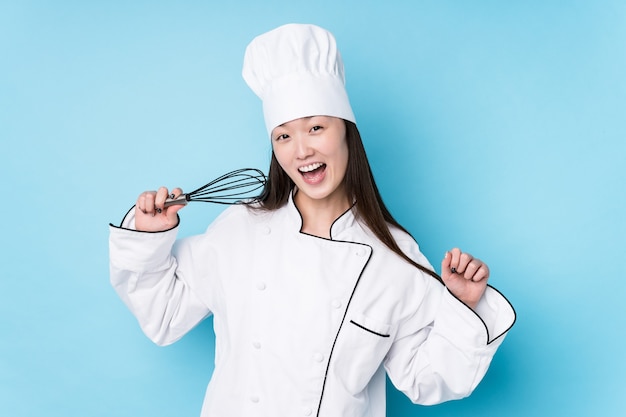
181	200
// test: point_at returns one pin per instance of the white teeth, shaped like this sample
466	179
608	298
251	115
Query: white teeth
311	167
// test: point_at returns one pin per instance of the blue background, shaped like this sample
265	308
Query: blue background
498	127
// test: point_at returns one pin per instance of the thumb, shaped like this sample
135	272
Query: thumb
172	213
445	263
445	268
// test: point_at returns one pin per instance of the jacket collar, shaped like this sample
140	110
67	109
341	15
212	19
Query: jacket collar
341	224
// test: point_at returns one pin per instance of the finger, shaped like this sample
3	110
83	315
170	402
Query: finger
472	267
159	201
148	206
481	274
141	204
464	260
175	193
455	257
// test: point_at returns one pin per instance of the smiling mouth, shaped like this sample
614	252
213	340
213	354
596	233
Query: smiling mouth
312	171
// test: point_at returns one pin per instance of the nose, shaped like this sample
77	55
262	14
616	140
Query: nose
303	148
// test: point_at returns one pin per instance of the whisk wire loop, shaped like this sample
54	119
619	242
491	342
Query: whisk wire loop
231	188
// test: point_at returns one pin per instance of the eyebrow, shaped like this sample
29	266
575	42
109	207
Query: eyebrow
305	117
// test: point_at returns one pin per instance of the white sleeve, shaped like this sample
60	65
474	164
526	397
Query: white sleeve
146	276
447	358
443	351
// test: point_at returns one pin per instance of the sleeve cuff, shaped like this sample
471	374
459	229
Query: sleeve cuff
128	222
135	250
493	317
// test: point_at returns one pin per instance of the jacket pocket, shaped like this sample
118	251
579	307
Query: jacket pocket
381	331
360	350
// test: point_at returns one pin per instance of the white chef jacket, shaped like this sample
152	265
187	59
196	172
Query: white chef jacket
306	326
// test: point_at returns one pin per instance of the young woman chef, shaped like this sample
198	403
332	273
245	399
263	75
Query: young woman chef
316	291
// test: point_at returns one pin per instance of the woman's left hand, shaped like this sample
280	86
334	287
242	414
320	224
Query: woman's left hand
465	276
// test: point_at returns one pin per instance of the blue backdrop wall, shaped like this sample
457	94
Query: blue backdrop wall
498	127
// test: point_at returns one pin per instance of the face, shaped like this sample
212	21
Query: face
314	153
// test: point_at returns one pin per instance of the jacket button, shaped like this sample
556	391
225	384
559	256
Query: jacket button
336	304
318	357
261	286
267	230
308	411
254	399
257	345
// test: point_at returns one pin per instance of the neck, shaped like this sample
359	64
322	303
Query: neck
319	215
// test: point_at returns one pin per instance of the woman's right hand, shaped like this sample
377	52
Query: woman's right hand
150	213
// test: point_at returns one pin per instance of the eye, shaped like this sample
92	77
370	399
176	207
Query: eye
281	137
316	128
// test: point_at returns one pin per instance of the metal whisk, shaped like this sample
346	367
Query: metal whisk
231	188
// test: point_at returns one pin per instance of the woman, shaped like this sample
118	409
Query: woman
316	291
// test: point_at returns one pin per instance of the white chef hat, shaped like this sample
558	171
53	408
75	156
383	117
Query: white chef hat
297	71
